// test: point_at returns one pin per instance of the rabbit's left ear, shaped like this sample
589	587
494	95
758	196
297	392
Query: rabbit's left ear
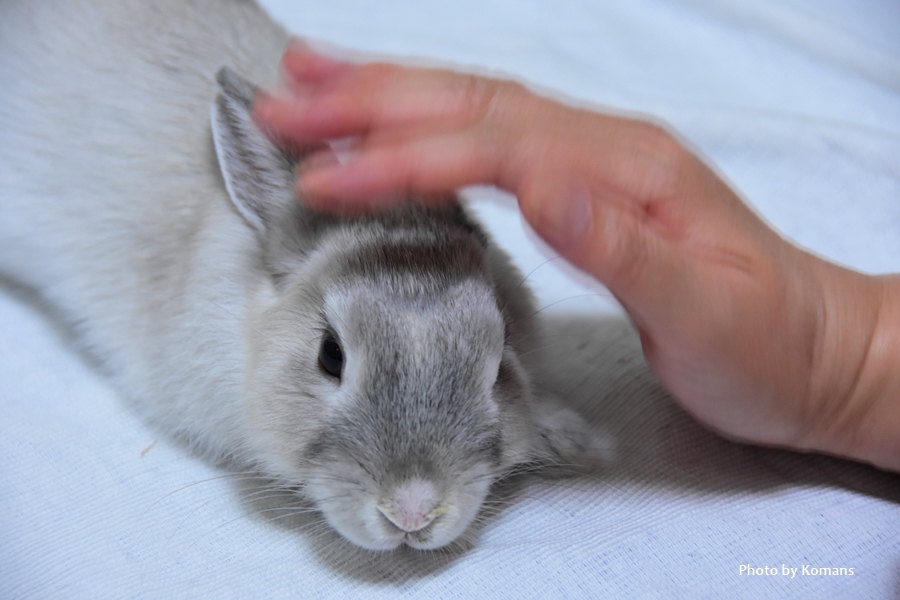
259	177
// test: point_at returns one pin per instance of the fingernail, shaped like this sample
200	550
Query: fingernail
344	149
568	220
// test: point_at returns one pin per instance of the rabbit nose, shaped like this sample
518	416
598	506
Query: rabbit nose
409	522
412	506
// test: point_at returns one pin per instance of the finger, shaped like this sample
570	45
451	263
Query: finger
389	172
376	96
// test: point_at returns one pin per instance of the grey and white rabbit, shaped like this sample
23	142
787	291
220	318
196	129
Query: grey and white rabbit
382	364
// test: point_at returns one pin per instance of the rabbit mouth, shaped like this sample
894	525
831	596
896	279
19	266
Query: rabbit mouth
419	541
421	538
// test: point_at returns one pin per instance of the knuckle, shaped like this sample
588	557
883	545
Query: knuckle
663	161
481	97
657	142
476	94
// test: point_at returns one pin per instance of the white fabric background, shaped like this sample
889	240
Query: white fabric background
797	102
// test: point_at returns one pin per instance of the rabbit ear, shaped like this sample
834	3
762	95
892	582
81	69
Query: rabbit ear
259	178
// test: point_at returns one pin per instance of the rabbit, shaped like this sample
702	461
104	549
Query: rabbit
383	364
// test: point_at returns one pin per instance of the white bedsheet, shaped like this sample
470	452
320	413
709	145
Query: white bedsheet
797	102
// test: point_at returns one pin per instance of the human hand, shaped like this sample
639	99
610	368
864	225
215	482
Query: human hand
756	338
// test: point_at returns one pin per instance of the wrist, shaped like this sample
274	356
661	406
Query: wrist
856	379
876	397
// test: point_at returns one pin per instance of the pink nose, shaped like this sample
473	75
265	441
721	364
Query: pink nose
409	522
411	506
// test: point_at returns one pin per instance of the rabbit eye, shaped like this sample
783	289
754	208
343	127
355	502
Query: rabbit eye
330	356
